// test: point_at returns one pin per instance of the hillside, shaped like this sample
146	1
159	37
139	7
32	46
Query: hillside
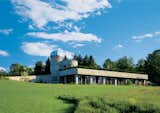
20	97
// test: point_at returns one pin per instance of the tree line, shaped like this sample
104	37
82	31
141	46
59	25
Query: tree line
20	70
150	66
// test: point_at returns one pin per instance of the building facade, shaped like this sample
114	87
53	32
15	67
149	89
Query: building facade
67	71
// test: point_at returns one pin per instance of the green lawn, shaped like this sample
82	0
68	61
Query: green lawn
20	97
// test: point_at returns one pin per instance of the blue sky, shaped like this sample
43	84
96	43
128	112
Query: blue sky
31	29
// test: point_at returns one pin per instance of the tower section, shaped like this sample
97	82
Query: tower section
55	59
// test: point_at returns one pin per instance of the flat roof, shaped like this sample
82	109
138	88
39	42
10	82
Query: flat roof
93	72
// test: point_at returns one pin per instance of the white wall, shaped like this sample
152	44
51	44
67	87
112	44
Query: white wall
33	78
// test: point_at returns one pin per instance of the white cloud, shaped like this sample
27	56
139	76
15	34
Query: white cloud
65	53
67	36
6	31
37	49
41	13
78	45
118	46
2	69
4	53
139	38
87	6
42	49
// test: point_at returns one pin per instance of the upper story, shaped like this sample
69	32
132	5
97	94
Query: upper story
59	63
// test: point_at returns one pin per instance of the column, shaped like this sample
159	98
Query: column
144	82
126	82
65	79
94	80
99	80
76	79
136	82
104	80
81	79
85	79
91	80
112	81
115	81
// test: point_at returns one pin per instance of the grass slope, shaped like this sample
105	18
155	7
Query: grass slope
20	97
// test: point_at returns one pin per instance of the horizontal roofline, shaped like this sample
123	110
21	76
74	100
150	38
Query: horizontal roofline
94	72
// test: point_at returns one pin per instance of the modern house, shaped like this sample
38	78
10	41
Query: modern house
67	71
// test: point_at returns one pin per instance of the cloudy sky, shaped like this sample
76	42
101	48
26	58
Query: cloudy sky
31	29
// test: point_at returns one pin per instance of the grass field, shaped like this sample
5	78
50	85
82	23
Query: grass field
20	97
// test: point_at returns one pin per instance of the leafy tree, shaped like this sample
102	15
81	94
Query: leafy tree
47	67
39	68
86	62
153	66
92	63
108	65
29	71
15	69
140	67
124	64
75	57
18	69
3	73
79	59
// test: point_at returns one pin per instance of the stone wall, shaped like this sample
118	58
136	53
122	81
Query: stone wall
33	78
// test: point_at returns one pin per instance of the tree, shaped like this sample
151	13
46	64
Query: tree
15	69
92	63
124	64
39	68
86	62
29	70
108	65
153	66
3	73
47	67
75	57
79	59
18	70
140	66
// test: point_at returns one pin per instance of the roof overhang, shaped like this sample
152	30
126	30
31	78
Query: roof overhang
93	72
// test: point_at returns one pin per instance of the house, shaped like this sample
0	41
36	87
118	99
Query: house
67	71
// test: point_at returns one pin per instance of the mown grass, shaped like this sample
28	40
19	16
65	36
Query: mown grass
20	97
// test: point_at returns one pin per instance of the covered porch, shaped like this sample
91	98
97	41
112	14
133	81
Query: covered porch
90	79
91	76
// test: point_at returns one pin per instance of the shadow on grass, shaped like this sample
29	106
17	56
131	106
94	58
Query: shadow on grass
103	105
70	100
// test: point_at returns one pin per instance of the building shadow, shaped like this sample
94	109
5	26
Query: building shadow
70	100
